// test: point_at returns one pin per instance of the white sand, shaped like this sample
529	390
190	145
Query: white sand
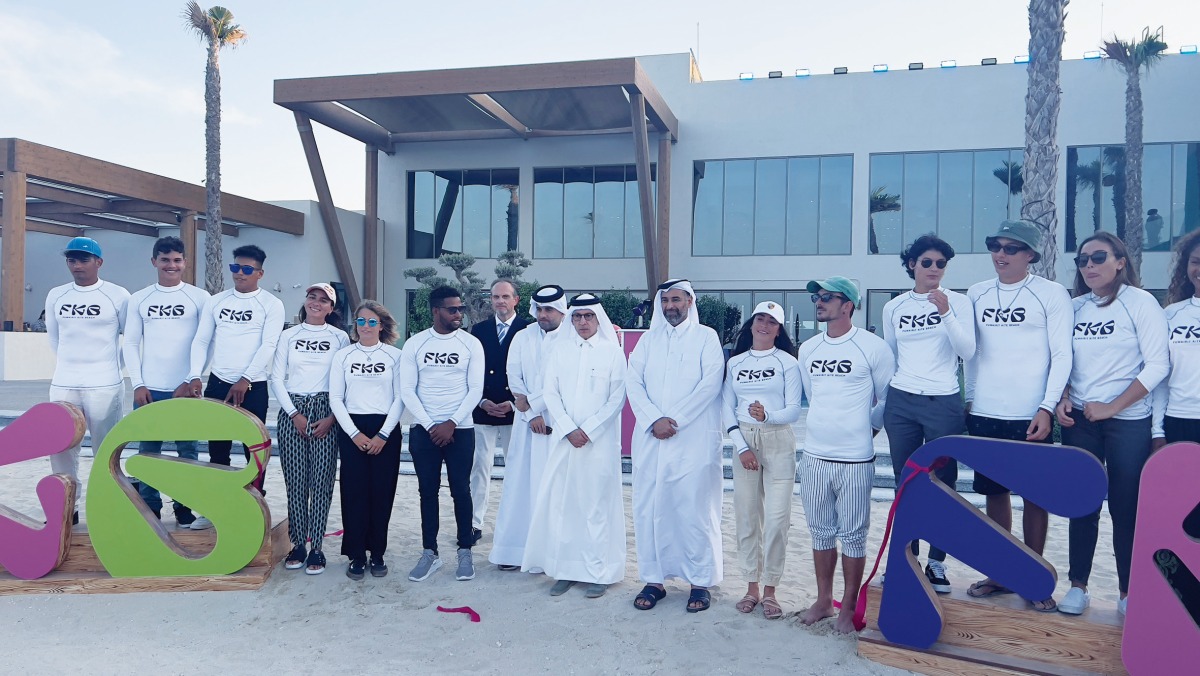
330	624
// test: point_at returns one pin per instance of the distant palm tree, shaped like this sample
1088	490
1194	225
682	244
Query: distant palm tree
881	202
217	29
1009	174
1132	57
1042	102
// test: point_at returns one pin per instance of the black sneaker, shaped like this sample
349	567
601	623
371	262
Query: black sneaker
357	570
476	536
184	517
378	567
75	518
936	572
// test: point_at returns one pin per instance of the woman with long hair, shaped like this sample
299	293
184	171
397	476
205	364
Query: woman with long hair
307	444
364	393
1119	348
1177	399
929	329
761	402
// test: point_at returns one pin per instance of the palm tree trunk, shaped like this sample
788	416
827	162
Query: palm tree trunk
1134	228
214	279
1042	103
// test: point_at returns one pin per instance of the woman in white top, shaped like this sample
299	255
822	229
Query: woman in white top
761	401
1119	347
1177	399
929	329
364	393
307	447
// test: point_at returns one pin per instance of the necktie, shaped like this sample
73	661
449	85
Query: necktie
501	331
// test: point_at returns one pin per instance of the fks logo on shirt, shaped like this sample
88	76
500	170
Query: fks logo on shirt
754	375
1013	315
367	369
78	310
920	321
236	315
1088	330
441	358
821	367
1185	334
155	311
311	345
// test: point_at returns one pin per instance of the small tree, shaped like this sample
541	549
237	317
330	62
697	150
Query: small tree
472	286
619	304
722	317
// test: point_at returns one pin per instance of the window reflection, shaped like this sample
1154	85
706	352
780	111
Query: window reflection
469	211
587	212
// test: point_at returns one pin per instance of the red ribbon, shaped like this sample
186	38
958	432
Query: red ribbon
465	609
262	466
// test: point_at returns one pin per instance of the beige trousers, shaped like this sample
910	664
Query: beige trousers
762	501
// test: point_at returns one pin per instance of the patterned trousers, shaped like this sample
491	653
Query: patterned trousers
309	469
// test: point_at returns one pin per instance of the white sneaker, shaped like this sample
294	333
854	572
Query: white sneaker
1075	602
201	523
1123	605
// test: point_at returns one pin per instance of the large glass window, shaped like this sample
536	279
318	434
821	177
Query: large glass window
960	195
1096	192
772	206
462	211
587	212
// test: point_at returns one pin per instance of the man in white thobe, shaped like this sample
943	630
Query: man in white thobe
674	387
578	529
530	442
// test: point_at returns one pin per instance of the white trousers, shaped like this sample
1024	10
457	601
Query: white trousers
488	438
762	501
101	408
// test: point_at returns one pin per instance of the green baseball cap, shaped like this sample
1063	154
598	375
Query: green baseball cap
1020	231
837	285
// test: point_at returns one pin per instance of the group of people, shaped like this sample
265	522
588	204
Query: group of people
1119	374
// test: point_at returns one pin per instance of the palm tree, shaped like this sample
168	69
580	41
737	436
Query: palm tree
217	29
881	202
1042	102
1132	57
1009	174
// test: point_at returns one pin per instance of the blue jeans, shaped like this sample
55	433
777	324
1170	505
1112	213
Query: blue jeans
186	449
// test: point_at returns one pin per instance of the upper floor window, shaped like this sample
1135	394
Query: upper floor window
587	212
772	206
462	211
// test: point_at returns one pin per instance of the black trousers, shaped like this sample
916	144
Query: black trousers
255	402
1185	429
368	489
459	456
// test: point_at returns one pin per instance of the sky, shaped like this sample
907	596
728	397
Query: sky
124	81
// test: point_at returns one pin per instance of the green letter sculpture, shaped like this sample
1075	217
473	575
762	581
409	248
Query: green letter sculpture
127	538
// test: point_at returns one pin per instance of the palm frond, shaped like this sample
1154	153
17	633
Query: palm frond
196	19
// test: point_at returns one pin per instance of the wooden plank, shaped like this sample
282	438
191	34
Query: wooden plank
656	107
12	261
664	208
346	121
641	154
496	134
50	229
952	662
371	227
226	229
93	203
493	108
51	209
109	224
187	233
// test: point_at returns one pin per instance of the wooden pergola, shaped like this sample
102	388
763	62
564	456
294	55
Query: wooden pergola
61	193
387	110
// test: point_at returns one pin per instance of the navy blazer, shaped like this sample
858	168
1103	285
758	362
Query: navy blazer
495	373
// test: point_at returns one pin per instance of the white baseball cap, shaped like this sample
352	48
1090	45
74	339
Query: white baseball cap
768	307
328	289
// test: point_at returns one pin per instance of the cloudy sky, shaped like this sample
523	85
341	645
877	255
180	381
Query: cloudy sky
124	81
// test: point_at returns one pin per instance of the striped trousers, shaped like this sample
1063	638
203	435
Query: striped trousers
309	469
837	503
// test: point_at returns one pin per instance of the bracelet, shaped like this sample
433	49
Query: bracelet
294	414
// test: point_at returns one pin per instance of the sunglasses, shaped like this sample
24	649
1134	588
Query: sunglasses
826	297
363	321
1010	249
1098	258
244	269
453	309
929	262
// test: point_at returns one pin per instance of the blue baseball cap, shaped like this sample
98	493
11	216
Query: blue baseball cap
85	245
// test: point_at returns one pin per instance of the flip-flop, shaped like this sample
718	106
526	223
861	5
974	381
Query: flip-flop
993	589
771	608
700	596
747	604
651	595
1049	605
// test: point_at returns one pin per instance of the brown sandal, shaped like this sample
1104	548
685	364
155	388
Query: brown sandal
771	608
747	604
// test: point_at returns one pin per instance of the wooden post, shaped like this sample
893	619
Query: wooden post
641	153
664	208
333	229
12	270
371	227
187	233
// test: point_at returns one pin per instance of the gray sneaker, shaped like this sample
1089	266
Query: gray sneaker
466	566
428	564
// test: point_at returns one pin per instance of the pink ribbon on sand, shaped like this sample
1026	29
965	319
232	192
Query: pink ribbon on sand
465	609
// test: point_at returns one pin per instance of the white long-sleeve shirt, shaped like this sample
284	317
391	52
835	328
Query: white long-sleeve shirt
365	381
928	344
1179	394
159	330
1117	344
243	329
84	325
846	379
1023	348
770	377
302	361
441	377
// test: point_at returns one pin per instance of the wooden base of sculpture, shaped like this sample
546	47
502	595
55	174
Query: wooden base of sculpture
82	572
1004	635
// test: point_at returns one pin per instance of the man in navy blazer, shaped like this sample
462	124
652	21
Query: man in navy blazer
494	415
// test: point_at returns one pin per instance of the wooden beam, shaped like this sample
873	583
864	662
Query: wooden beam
51	209
134	207
44	192
493	108
187	233
371	226
346	121
495	134
108	224
641	154
53	229
12	261
226	229
664	208
656	107
333	229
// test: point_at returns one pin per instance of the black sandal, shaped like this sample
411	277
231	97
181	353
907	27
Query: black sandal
700	596
651	595
295	559
316	563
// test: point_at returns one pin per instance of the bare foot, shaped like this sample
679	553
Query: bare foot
817	612
845	621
